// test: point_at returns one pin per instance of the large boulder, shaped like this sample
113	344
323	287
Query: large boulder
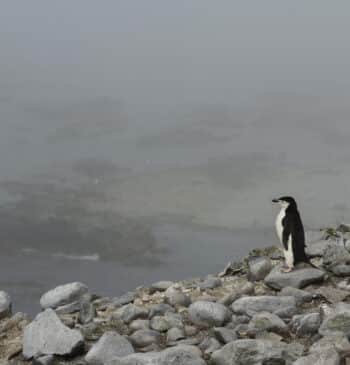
63	295
178	355
5	305
336	258
208	314
265	321
109	346
47	335
298	278
282	306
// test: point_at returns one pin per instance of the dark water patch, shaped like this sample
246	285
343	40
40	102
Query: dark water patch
48	219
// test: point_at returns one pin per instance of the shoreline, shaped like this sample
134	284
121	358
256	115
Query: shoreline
248	313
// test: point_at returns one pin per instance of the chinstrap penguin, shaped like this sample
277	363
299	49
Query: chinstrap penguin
290	231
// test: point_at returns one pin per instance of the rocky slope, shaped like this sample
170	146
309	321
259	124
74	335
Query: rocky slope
249	314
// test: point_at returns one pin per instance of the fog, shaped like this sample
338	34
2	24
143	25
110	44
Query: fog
134	133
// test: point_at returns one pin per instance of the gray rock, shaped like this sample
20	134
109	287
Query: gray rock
337	321
246	352
63	294
324	357
178	355
317	249
266	303
265	321
139	324
337	341
124	299
301	296
210	282
5	305
177	298
44	360
228	299
207	314
143	338
340	270
335	254
109	346
160	324
298	278
306	324
209	345
312	236
175	319
47	335
258	268
131	312
225	335
87	310
161	286
68	308
160	309
175	334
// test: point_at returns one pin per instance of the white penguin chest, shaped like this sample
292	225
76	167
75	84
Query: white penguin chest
279	225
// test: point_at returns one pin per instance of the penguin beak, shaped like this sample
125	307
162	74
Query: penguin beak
275	200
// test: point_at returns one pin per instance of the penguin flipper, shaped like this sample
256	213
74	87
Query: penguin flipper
287	231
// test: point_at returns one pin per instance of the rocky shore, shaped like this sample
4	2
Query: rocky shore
251	313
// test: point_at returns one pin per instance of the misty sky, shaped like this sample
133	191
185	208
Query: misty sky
252	96
154	53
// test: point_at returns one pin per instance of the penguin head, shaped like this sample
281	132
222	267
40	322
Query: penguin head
285	202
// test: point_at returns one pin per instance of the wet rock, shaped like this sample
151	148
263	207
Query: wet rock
178	355
324	357
160	309
298	278
131	312
306	324
242	352
5	305
258	268
47	335
161	286
160	324
210	282
63	295
225	335
109	346
266	303
126	298
139	324
207	314
265	321
143	338
175	334
301	296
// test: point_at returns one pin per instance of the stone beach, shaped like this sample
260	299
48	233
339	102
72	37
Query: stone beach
250	313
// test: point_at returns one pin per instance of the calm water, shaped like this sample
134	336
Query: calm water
145	142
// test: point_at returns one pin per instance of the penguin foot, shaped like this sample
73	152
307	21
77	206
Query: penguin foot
286	268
